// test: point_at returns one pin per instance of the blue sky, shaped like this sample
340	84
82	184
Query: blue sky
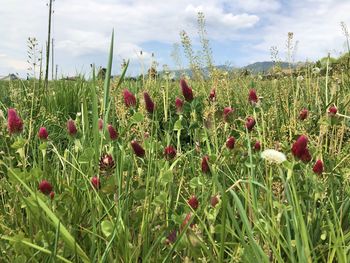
240	31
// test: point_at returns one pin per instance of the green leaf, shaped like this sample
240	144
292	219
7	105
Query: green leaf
178	125
137	117
166	177
196	182
107	228
87	156
18	144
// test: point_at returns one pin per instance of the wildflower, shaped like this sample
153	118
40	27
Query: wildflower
230	143
186	220
273	156
228	114
169	152
318	167
212	95
205	164
250	123
299	146
186	90
332	111
257	146
107	163
214	200
193	202
45	187
149	103
179	104
129	98
113	134
316	70
138	150
300	150
171	238
253	98
300	78
95	181
71	128
14	122
52	195
43	134
303	114
100	124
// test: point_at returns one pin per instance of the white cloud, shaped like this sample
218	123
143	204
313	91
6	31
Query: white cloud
82	28
315	27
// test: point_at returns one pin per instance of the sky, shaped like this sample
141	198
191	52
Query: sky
240	32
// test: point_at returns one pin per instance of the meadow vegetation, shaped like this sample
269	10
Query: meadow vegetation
156	170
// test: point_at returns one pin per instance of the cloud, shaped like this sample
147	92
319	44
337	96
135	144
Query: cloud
246	28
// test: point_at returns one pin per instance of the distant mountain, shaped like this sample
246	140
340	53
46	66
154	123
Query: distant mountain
257	67
265	66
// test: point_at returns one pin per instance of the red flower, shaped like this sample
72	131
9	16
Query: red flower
228	114
171	238
306	156
14	122
332	111
52	195
179	103
205	164
193	202
257	146
43	134
95	181
303	114
45	187
186	90
71	128
214	200
186	220
107	164
129	98
253	98
138	150
113	134
250	123
230	143
169	152
212	95
149	103
300	150
299	146
100	124
318	167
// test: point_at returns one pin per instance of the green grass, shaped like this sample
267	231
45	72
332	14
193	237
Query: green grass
267	212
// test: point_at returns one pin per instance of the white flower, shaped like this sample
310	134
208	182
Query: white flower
300	78
316	70
273	156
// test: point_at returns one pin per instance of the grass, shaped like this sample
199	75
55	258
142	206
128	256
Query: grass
266	212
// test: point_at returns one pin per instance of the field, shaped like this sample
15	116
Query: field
222	169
